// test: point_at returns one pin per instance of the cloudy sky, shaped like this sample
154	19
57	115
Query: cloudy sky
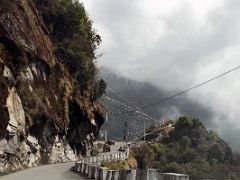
174	45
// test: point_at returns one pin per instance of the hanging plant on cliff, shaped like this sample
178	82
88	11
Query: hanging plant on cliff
75	39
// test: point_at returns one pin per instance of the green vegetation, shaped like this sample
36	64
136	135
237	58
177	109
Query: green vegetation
191	149
1	48
144	156
74	38
100	89
2	51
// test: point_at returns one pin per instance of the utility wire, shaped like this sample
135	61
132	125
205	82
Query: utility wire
129	109
180	93
190	89
118	95
131	105
151	132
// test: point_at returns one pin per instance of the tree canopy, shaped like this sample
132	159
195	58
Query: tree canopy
191	149
76	40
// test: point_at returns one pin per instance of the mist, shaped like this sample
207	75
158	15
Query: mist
174	46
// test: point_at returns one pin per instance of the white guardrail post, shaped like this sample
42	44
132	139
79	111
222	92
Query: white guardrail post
89	167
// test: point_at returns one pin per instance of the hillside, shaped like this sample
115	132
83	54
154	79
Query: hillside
134	93
190	148
49	90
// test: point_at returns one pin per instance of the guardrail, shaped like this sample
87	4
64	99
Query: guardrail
109	157
89	167
101	173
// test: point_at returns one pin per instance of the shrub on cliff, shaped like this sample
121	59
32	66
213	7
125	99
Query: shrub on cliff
74	37
1	48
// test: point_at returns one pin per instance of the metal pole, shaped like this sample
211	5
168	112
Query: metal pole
126	132
144	131
106	118
105	136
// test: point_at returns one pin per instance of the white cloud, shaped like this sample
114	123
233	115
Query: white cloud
174	45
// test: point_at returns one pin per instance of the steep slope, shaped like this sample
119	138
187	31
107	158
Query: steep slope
190	148
140	94
44	105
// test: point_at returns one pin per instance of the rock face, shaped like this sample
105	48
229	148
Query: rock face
16	113
44	118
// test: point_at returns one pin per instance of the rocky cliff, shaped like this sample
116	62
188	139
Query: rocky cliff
45	114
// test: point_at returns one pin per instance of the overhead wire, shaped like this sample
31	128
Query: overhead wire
130	105
134	126
129	109
140	109
190	89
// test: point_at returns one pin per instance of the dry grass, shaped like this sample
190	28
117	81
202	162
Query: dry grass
130	163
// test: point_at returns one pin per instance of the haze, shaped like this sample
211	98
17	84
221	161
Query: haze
175	45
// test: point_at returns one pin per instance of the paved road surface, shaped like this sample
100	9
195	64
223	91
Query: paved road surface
49	172
114	148
52	172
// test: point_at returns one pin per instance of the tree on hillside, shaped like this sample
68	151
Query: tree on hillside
192	149
216	153
76	40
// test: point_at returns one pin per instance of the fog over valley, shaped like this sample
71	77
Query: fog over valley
174	46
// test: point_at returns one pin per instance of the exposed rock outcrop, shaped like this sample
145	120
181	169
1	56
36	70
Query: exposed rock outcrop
42	112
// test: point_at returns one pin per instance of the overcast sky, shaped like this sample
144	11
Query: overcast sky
175	44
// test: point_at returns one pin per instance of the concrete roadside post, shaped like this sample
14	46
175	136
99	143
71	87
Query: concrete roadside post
153	174
142	174
90	171
93	171
115	175
174	176
109	175
97	173
128	174
85	171
103	173
77	166
82	168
